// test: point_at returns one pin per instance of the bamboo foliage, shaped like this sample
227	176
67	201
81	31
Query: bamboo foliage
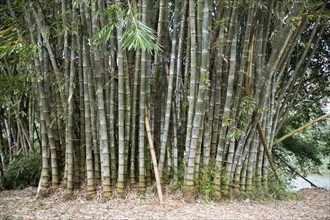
215	76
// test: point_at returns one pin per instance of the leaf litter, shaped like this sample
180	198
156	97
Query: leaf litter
22	204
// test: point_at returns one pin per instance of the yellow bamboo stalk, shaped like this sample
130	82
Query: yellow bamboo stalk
153	156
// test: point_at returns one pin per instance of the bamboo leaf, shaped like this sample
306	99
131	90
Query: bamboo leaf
103	35
139	36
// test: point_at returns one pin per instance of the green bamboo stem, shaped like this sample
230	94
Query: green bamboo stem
193	77
226	132
50	134
142	184
88	130
121	115
112	118
134	116
82	147
103	131
197	127
179	64
45	36
70	129
165	129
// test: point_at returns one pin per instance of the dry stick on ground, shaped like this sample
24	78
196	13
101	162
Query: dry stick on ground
153	156
303	127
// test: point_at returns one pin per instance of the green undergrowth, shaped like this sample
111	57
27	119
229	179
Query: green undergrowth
205	182
273	191
266	194
23	172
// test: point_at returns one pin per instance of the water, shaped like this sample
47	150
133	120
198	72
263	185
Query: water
319	180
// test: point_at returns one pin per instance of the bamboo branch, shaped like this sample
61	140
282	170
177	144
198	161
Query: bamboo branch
294	170
303	127
153	156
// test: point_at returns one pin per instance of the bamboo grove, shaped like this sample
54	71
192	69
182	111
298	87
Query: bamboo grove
214	78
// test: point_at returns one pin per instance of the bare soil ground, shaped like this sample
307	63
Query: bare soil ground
22	204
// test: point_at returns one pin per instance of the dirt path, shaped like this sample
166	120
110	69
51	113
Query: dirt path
23	205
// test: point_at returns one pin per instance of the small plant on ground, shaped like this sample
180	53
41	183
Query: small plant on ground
206	182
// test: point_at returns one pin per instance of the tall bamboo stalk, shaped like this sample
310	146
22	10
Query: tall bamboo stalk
103	132
70	129
200	107
88	130
165	129
142	184
121	114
